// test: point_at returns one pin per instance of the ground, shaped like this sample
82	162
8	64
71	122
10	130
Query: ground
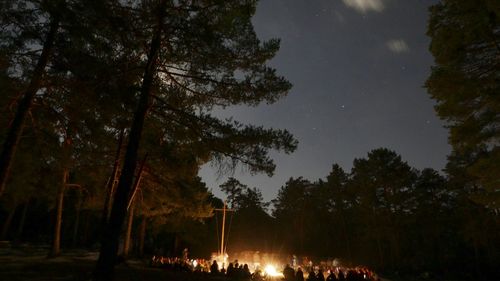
31	263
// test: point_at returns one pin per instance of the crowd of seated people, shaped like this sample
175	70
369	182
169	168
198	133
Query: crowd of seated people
180	264
241	272
329	274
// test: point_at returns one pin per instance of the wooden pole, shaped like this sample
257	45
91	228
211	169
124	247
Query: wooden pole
223	226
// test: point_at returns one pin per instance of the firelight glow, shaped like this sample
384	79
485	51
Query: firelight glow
270	270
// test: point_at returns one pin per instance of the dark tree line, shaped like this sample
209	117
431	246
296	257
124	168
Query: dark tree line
391	216
383	213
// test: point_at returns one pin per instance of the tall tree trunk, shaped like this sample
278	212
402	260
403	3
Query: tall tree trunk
477	260
128	232
56	242
346	237
77	220
20	228
86	226
301	234
375	223
436	245
394	247
111	184
142	235
7	223
109	245
379	250
130	207
16	127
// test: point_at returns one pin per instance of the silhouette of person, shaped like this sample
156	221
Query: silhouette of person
257	275
299	276
246	272
331	276
311	276
214	268
341	276
320	276
230	270
288	273
351	275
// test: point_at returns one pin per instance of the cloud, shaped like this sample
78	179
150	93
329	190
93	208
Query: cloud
397	46
364	6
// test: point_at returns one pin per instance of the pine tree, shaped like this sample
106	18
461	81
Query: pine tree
24	27
465	83
199	55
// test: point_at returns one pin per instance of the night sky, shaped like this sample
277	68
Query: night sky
358	68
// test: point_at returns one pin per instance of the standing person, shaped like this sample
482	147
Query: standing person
230	273
257	275
341	276
246	275
299	276
351	275
331	276
320	276
288	273
214	268
312	275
